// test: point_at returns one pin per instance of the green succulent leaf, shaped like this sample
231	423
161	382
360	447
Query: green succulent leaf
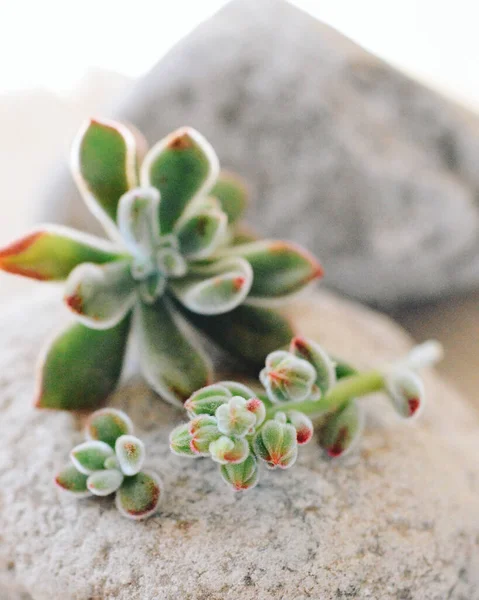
139	496
51	252
234	418
302	424
104	483
200	234
243	476
232	195
344	369
170	363
248	332
100	295
104	166
206	400
72	481
215	288
280	269
82	367
90	456
406	390
130	452
203	430
238	389
276	444
313	353
287	378
107	425
181	166
342	430
180	441
138	220
226	450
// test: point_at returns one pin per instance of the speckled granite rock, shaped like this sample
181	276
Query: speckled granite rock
373	172
397	520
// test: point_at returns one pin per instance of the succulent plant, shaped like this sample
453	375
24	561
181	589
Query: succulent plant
111	462
240	429
176	253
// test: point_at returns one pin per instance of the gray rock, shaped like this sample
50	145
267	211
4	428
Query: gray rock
372	171
399	519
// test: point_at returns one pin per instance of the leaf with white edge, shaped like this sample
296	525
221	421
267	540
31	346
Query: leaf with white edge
227	450
100	295
280	269
258	409
112	463
406	391
72	481
276	444
342	430
302	424
130	452
170	262
81	367
173	375
313	353
206	400
249	333
181	166
90	456
232	194
107	425
151	288
200	234
104	483
139	496
203	430
138	220
51	252
215	288
234	418
238	389
104	166
180	441
287	378
243	476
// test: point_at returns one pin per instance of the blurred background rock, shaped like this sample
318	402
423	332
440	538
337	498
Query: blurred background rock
364	165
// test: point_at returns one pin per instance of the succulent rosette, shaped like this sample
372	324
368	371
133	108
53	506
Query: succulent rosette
111	462
176	257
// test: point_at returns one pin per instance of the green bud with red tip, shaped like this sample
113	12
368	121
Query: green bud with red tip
287	378
312	352
180	441
229	450
234	418
203	430
243	476
406	391
276	443
206	400
342	430
303	426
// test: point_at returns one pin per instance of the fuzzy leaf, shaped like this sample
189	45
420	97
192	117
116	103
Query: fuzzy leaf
406	391
90	456
232	195
107	425
215	288
81	367
226	450
342	430
175	375
258	409
130	452
171	262
302	424
276	444
206	400
279	269
104	483
138	220
180	441
104	166
313	353
140	495
72	481
248	332
200	234
100	295
181	166
243	476
238	389
51	252
287	378
234	418
151	288
203	430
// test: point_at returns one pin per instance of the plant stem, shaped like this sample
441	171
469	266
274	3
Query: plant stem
347	388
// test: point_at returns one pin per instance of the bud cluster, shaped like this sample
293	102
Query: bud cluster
110	462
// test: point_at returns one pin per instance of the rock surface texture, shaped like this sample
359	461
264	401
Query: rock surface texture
372	171
397	520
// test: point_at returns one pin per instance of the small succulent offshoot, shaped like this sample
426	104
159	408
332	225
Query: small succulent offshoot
240	429
176	252
111	462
